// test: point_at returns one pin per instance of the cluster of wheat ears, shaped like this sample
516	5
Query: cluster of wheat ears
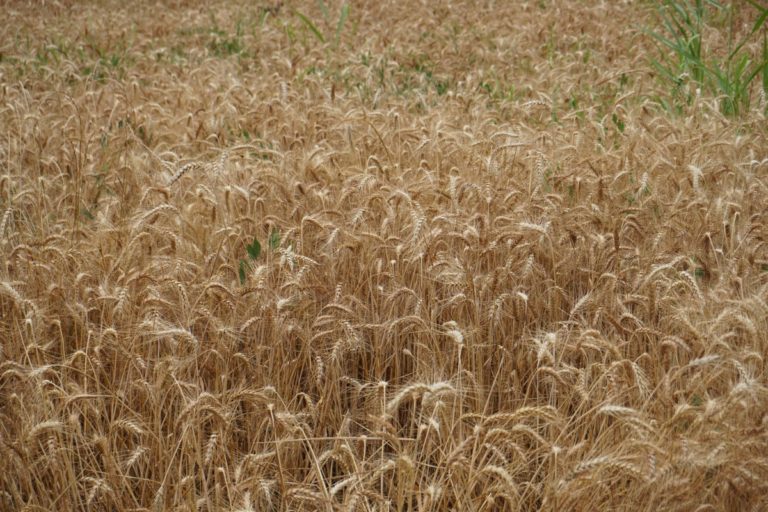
467	297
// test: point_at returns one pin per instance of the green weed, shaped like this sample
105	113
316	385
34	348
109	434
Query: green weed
254	251
687	62
224	45
319	35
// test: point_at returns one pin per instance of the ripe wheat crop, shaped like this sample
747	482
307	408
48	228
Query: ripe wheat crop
407	256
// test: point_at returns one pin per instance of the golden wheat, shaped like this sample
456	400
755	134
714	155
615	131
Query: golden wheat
493	273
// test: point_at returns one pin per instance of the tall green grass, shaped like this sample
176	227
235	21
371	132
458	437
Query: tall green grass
687	59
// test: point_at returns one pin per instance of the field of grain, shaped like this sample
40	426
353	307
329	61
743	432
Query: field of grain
377	256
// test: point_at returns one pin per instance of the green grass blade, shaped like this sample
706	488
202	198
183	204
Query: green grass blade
765	63
274	239
254	250
757	6
311	26
758	24
755	71
666	42
665	71
241	271
324	9
342	19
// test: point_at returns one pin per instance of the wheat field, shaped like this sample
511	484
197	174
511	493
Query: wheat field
352	257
